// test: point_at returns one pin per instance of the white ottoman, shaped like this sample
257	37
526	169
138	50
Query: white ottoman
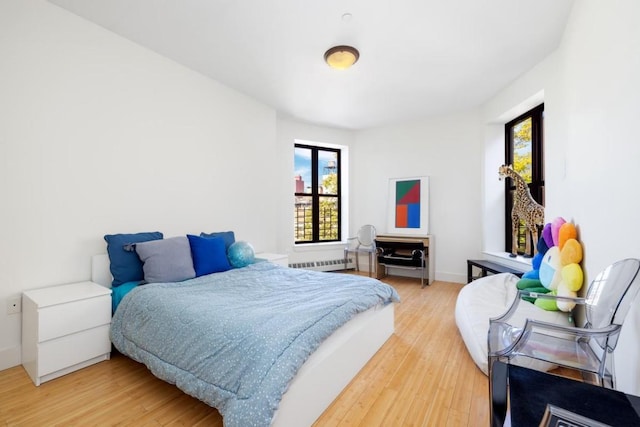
490	297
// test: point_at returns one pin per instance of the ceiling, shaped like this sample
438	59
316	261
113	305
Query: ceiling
417	57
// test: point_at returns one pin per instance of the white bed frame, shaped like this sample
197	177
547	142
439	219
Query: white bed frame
327	371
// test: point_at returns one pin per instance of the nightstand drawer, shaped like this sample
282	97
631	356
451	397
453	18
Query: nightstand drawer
63	319
54	355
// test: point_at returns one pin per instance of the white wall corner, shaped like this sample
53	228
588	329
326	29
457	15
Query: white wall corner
10	357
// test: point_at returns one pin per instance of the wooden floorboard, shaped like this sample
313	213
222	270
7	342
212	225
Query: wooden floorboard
422	376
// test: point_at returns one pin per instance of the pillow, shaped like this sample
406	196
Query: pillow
119	293
124	263
167	260
209	255
228	237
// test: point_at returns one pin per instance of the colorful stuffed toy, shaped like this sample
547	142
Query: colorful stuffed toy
556	267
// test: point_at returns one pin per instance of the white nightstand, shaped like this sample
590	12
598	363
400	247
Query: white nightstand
281	259
64	328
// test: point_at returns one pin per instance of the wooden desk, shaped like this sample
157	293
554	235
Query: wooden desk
426	240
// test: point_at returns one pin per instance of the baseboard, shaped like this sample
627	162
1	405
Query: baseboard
451	277
441	277
10	357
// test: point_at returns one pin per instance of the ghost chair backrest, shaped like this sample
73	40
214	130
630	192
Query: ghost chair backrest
610	295
367	235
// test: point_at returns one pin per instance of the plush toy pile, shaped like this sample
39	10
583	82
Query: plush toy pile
556	266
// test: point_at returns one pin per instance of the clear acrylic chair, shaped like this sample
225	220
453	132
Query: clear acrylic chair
587	349
363	242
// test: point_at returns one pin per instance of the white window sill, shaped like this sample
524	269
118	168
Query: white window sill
309	247
521	263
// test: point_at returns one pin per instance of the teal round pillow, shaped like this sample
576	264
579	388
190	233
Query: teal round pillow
241	254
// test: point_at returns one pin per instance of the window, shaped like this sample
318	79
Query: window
524	138
317	194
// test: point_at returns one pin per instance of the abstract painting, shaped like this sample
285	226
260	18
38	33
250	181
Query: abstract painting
408	205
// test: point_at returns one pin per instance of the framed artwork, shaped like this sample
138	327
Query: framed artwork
408	206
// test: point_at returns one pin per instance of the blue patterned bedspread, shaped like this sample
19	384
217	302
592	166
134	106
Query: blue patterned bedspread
236	339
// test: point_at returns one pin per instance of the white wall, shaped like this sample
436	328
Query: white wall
598	185
592	104
448	149
98	135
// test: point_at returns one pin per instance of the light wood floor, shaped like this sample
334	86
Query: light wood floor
422	376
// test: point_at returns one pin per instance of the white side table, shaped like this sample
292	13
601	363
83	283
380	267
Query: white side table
281	259
64	328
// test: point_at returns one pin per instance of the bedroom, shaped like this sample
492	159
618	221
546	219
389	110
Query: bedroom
90	144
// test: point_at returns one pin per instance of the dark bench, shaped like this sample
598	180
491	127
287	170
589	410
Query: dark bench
488	267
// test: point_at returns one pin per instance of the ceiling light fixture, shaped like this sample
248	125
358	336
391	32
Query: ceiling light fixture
341	57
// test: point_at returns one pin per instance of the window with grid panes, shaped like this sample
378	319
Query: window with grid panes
317	194
524	142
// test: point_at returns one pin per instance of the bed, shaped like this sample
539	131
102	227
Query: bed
305	382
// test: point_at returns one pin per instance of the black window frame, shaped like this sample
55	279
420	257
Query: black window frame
537	185
316	195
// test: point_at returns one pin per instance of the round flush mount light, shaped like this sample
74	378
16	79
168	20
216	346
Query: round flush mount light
341	57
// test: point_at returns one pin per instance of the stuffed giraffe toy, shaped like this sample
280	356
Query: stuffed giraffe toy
525	209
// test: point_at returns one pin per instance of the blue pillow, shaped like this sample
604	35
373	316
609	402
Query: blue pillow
228	237
209	254
124	264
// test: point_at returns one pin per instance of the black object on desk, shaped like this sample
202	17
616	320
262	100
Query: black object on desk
403	254
531	391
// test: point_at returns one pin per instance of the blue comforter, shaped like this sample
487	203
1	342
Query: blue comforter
236	339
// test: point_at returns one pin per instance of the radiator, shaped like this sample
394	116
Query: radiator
325	265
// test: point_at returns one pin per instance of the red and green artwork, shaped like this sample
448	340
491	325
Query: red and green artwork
408	204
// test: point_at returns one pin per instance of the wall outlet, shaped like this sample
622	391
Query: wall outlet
14	305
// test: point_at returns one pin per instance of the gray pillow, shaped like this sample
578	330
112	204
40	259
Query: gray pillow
166	260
